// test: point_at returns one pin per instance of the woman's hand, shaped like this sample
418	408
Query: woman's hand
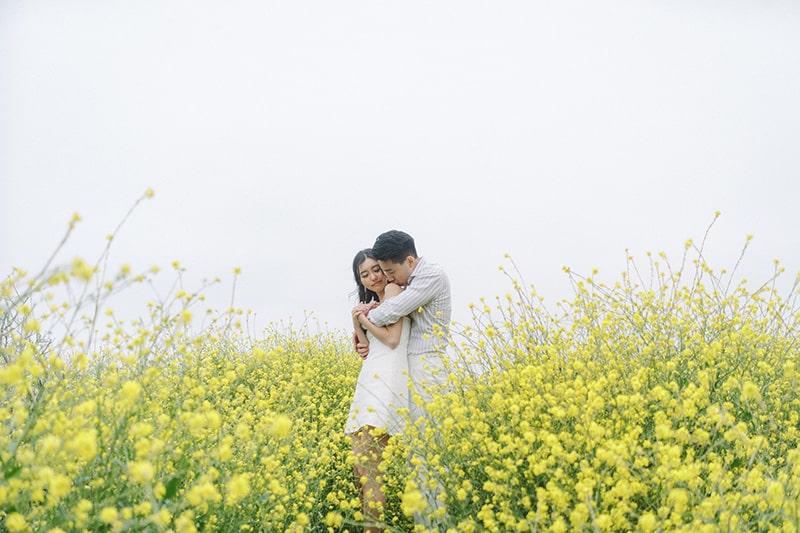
359	314
362	309
362	350
359	309
363	320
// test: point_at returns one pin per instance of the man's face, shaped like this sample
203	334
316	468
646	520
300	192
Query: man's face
398	272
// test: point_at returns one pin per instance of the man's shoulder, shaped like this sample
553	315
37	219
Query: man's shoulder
434	273
429	267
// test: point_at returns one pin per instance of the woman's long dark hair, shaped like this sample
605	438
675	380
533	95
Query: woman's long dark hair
364	295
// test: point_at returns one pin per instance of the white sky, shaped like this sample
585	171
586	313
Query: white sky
281	137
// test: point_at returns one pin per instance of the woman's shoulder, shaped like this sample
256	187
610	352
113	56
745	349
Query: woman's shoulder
392	289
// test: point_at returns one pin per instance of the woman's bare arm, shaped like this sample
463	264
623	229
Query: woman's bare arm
388	335
360	336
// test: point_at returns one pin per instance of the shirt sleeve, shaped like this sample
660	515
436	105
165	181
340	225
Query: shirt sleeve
422	290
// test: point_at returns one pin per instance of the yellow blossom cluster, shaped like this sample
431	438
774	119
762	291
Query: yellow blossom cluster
671	404
222	435
160	428
667	407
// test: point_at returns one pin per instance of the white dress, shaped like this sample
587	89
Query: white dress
381	398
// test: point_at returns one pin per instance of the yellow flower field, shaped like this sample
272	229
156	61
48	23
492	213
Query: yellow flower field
669	403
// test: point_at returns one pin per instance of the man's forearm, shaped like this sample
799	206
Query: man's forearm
396	308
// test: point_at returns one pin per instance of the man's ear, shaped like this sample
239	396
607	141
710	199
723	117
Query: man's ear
412	261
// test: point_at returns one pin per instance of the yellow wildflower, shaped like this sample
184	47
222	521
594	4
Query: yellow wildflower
238	488
141	472
334	519
108	515
750	392
280	427
413	501
81	270
75	219
15	523
84	445
648	522
130	391
32	325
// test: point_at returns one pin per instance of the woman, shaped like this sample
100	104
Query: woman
381	395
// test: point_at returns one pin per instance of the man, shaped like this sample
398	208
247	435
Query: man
426	300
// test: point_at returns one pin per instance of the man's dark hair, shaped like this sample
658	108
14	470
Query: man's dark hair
394	246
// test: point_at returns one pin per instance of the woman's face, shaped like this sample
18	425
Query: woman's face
371	275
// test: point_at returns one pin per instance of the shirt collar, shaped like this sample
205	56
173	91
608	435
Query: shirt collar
420	262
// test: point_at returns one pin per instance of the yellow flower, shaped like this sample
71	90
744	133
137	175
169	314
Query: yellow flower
162	517
130	391
559	526
108	515
413	501
648	522
204	492
775	494
32	325
141	472
238	488
143	509
185	523
84	445
11	374
59	486
579	516
15	523
75	219
81	512
750	392
334	519
280	427
81	270
678	498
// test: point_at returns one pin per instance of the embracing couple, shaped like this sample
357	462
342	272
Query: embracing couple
401	325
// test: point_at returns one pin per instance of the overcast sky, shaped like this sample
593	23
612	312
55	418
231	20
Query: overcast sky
282	137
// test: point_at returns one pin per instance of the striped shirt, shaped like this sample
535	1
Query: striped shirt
426	300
